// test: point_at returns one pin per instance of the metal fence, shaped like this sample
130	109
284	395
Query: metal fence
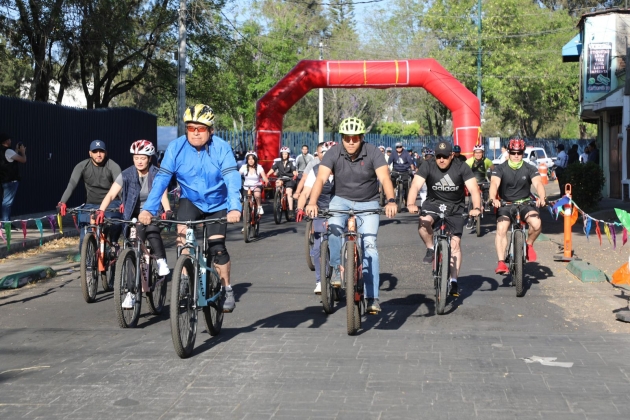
57	138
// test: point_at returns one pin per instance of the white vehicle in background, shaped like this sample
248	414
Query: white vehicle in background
534	156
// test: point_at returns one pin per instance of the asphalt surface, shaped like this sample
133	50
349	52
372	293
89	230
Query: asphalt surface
279	356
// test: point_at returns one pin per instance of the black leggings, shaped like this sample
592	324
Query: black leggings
152	234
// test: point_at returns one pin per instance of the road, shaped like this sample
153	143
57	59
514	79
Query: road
280	357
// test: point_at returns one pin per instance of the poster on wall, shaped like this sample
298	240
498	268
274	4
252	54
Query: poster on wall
598	71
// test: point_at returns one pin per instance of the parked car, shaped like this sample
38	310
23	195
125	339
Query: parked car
534	156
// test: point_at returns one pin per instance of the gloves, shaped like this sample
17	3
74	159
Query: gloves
61	208
300	215
99	217
121	208
266	183
167	215
294	177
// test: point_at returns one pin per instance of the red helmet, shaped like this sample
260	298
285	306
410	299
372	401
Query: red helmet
516	144
142	147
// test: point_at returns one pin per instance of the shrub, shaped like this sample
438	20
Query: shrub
587	181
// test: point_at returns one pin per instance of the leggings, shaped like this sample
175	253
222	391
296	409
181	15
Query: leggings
152	234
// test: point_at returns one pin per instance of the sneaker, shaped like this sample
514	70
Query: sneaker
502	268
428	258
230	303
129	302
242	230
318	288
454	289
470	225
335	280
261	211
531	253
162	267
373	306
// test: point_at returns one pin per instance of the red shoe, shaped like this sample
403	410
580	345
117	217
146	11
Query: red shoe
502	268
531	253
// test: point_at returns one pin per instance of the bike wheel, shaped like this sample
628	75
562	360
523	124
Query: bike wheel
308	244
126	282
213	315
400	199
247	225
443	259
183	313
277	208
328	292
107	277
157	296
381	197
89	268
353	319
478	225
517	275
286	208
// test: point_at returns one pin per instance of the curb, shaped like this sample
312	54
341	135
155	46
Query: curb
586	272
22	278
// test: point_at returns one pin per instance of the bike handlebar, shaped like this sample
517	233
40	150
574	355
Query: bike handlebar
331	213
192	222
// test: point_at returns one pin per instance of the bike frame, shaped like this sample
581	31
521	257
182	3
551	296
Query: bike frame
282	190
516	224
101	240
141	250
439	234
253	206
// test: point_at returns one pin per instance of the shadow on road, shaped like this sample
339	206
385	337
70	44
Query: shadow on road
388	278
46	292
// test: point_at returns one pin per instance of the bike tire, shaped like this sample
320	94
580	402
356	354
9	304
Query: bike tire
182	313
381	197
286	209
443	259
157	296
277	208
350	278
246	221
126	276
478	225
89	268
213	315
308	244
328	292
400	200
108	277
517	275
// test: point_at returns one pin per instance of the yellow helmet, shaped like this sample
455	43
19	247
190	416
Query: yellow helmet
352	126
200	114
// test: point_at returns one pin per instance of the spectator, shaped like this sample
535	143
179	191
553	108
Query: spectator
561	165
584	156
593	155
574	156
9	172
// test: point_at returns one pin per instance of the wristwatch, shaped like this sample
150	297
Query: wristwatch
391	200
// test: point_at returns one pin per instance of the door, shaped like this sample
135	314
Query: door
615	161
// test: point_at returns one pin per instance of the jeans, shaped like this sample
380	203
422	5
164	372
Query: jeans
114	231
367	225
9	189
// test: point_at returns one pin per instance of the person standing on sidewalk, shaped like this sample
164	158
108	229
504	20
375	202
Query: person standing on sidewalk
593	153
302	161
98	174
9	172
562	162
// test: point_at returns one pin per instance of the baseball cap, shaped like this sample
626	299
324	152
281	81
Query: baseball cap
444	148
97	145
399	144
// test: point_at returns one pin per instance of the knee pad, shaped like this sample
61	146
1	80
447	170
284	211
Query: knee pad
503	219
535	216
217	251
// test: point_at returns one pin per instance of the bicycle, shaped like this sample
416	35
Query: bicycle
251	218
399	190
195	285
137	273
351	268
281	201
484	189
98	257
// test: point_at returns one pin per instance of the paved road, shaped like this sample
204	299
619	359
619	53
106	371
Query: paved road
279	356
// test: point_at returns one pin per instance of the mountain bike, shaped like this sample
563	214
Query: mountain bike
399	190
98	257
251	218
195	285
484	188
137	273
281	200
351	268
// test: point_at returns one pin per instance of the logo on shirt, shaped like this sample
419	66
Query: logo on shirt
445	184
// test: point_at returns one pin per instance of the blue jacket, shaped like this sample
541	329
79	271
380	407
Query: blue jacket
131	188
208	178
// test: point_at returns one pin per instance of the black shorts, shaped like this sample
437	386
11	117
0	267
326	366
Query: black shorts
188	211
454	220
505	211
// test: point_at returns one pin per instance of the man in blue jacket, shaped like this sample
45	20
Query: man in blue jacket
205	169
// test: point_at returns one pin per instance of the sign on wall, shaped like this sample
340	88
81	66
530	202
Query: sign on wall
598	77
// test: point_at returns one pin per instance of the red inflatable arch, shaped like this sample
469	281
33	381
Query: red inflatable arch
313	74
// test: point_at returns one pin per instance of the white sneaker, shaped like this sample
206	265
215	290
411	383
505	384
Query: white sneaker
129	302
162	267
261	211
318	289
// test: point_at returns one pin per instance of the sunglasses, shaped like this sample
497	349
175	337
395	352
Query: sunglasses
399	147
352	139
192	129
441	157
516	153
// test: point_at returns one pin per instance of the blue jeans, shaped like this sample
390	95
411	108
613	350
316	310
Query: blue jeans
114	230
367	226
9	189
319	235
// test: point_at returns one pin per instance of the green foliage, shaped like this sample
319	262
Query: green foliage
395	128
587	181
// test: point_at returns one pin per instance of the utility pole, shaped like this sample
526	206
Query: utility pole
479	52
181	68
321	100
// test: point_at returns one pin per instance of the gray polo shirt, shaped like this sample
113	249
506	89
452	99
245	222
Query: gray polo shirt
355	180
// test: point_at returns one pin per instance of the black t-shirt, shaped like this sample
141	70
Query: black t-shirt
355	180
445	186
515	184
283	169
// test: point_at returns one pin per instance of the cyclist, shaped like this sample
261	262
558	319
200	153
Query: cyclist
284	167
98	174
445	177
402	163
311	164
205	169
388	155
513	180
429	154
480	166
356	166
457	151
323	202
255	177
302	161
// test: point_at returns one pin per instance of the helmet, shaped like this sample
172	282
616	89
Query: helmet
352	126
389	149
200	114
328	145
516	144
457	149
142	147
251	152
478	147
285	149
429	152
381	147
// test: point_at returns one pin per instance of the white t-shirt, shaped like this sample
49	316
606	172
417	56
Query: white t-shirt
584	158
310	179
252	180
9	154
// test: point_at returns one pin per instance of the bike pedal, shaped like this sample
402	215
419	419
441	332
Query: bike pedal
228	311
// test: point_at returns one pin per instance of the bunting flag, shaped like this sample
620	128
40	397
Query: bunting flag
624	236
564	200
574	217
74	219
24	232
59	223
623	217
38	222
614	235
51	220
2	235
587	226
599	232
7	232
607	232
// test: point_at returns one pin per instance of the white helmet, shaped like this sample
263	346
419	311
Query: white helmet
285	149
252	153
478	147
327	146
142	147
